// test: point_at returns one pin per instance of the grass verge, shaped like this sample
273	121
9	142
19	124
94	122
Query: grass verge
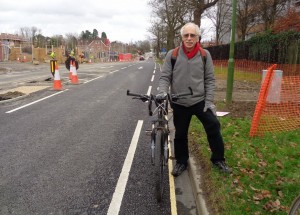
266	176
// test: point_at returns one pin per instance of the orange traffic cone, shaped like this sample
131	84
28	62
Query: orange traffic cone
57	82
71	69
74	79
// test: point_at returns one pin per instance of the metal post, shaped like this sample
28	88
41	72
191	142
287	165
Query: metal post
231	56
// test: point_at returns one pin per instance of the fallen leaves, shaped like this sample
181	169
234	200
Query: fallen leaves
272	206
262	194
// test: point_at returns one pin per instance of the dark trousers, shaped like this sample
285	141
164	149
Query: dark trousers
182	118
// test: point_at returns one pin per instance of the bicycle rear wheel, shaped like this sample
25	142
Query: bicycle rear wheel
159	165
295	208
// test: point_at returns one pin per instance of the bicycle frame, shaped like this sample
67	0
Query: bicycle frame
161	123
159	132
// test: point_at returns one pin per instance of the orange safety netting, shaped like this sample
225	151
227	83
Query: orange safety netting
278	105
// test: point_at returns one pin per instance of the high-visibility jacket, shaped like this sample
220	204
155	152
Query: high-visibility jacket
52	55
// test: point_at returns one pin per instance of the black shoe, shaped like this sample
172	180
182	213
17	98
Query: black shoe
178	169
221	165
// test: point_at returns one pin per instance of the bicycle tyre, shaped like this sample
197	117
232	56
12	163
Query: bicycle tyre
159	166
295	208
152	147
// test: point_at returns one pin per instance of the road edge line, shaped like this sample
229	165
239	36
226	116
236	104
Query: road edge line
115	204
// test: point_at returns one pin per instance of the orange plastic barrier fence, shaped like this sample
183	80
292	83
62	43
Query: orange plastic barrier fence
256	67
278	105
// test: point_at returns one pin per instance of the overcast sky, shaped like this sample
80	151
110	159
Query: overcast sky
122	20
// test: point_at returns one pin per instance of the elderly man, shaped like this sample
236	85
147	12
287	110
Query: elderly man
193	68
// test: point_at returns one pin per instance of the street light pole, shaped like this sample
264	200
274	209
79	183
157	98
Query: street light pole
231	56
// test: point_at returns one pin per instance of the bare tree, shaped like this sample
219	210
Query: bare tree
160	38
247	12
270	10
71	40
173	14
30	33
220	16
198	7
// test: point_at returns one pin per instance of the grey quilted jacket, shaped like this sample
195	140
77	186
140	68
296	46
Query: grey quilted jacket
188	73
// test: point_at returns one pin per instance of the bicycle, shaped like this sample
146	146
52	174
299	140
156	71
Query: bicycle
159	134
295	207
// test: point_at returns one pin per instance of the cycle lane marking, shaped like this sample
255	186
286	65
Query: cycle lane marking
149	90
172	183
116	201
152	79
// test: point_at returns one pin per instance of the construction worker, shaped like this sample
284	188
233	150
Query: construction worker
52	55
71	57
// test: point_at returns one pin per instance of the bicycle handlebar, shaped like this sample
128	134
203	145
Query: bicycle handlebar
151	97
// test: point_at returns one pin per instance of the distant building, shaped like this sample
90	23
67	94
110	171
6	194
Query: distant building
6	42
11	39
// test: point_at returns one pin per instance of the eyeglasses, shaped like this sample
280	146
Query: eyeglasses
189	35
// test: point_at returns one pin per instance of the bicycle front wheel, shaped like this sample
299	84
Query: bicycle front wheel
295	208
159	165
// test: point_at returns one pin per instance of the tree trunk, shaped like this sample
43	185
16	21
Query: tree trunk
170	40
197	16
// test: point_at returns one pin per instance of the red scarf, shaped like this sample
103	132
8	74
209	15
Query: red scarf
192	53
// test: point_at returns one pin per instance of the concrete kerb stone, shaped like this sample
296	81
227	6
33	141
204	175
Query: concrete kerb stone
195	177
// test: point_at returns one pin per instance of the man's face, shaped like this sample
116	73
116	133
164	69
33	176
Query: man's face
189	37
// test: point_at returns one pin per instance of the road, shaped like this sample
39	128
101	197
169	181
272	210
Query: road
82	150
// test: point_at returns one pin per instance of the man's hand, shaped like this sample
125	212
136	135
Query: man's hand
211	106
161	96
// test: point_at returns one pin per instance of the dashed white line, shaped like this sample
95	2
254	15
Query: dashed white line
113	71
152	78
93	79
149	90
116	201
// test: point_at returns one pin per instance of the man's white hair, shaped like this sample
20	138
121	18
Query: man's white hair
198	33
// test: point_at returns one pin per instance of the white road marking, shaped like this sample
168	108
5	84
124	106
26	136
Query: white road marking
116	201
113	71
152	78
153	71
124	68
93	79
140	67
35	102
149	90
